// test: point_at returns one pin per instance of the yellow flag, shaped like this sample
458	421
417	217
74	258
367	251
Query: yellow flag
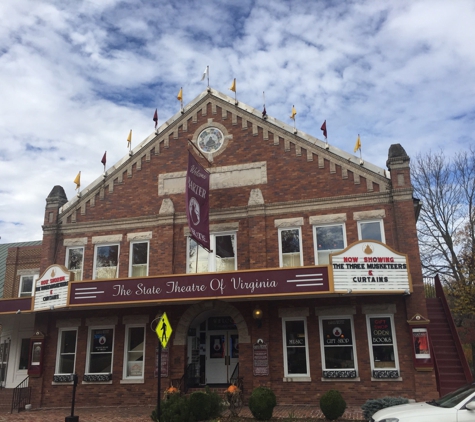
233	86
129	138
179	97
358	144
294	112
77	180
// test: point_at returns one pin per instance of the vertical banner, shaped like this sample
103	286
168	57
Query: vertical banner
197	202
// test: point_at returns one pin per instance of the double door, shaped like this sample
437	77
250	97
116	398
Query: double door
222	356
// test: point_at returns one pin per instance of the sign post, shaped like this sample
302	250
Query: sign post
164	331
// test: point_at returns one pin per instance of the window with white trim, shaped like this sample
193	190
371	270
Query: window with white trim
328	239
222	255
382	346
371	230
134	352
338	347
290	247
100	347
27	284
296	362
106	261
66	351
75	261
138	259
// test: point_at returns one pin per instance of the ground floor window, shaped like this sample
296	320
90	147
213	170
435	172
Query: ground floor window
296	363
382	346
66	355
24	353
100	353
134	352
338	347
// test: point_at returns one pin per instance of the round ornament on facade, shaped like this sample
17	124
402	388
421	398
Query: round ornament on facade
210	140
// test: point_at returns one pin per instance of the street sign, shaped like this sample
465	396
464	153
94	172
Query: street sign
163	330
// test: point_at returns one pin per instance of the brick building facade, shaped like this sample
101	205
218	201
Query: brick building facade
281	202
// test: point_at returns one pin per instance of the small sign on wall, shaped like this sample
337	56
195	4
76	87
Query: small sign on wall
260	358
51	288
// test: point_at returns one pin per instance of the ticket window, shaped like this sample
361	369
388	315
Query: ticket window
36	355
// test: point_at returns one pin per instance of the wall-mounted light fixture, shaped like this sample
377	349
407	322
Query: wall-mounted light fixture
257	315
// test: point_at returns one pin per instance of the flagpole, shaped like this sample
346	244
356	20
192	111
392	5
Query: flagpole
207	73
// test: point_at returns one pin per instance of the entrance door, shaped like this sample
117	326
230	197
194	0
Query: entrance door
222	356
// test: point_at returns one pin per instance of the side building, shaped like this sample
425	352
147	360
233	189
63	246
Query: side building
312	282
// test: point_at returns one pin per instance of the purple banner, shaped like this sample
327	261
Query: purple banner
197	202
275	282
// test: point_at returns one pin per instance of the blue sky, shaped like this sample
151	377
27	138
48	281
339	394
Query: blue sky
76	76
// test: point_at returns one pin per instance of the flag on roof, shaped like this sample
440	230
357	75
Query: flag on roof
294	113
103	161
358	144
179	97
205	73
155	118
264	112
233	86
77	180
324	128
129	138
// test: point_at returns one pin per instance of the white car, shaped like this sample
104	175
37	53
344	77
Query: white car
458	406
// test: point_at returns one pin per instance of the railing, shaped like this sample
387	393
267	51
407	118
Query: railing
439	291
21	395
236	379
184	382
429	288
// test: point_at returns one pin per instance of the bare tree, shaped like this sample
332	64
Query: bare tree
446	229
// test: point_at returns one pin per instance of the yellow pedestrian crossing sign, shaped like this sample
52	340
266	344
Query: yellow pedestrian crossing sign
163	330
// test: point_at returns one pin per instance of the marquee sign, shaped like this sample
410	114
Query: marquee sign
370	266
276	282
52	288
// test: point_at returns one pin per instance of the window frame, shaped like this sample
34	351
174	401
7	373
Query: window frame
338	372
284	345
20	287
374	220
66	264
383	372
315	240
131	257
212	259
281	229
127	351
89	352
59	352
94	271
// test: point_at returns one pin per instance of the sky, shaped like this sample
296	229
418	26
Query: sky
77	75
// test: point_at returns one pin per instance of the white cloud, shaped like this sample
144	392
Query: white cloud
77	76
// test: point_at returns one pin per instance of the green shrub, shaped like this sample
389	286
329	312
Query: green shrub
262	403
373	405
332	405
174	409
205	405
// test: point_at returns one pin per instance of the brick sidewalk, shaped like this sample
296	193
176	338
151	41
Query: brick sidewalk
142	414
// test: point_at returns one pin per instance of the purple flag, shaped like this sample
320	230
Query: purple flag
197	202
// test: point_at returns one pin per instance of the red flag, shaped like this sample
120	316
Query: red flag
103	161
155	118
324	128
264	112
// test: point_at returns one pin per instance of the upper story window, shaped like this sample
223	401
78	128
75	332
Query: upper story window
290	247
75	261
371	230
106	261
328	239
66	355
27	283
296	363
138	259
222	256
338	347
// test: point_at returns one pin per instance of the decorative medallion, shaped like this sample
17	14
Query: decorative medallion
210	140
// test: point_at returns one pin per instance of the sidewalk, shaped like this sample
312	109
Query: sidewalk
142	414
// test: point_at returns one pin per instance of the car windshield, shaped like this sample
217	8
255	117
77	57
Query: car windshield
454	398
